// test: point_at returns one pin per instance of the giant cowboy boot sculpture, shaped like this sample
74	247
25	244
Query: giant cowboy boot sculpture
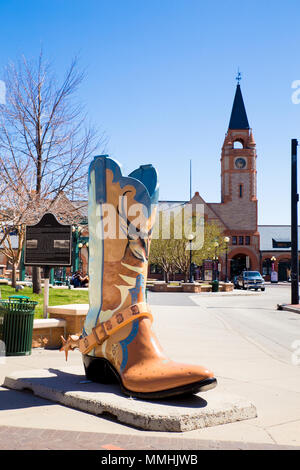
117	341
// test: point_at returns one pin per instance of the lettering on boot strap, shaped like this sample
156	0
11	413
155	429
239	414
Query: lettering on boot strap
106	329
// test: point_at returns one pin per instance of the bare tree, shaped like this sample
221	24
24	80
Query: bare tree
46	142
13	252
13	212
17	210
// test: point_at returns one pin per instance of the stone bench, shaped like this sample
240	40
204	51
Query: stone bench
47	333
192	287
226	287
63	320
73	314
206	288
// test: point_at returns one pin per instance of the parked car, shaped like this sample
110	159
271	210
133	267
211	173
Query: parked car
251	280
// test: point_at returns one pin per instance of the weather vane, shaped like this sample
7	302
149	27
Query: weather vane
239	76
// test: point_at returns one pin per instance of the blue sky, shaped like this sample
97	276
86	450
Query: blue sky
161	81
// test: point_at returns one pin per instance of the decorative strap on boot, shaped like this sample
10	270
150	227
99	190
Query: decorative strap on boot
106	329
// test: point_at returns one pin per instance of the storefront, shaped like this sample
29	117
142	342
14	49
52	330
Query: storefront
275	249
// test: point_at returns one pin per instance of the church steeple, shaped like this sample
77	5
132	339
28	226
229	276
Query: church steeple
238	118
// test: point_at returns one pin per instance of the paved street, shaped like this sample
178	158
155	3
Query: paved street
255	319
241	336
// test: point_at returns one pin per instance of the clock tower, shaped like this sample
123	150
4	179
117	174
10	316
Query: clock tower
238	208
238	167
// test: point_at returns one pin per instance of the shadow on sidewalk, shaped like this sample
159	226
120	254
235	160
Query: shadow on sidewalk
17	400
63	382
79	383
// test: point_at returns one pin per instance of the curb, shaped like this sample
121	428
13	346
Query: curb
288	308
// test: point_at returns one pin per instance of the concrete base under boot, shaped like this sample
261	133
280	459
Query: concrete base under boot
68	386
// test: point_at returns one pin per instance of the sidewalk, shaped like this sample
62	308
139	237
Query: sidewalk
242	368
289	307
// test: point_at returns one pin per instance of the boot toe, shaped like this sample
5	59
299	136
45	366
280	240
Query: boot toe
148	378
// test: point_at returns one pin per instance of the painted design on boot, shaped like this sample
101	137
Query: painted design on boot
115	355
124	344
138	238
138	292
135	287
116	263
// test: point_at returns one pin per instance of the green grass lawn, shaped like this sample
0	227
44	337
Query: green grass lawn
56	297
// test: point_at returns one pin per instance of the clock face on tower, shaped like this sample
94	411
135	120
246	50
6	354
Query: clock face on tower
240	163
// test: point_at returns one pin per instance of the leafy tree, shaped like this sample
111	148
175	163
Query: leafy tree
172	253
162	249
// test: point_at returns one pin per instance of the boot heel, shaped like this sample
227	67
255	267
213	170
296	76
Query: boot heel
98	369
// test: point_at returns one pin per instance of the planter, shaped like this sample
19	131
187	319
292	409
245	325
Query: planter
205	288
193	287
226	287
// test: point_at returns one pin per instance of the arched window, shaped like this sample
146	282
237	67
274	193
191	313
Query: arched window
238	144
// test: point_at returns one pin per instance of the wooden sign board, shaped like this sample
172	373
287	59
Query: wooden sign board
48	243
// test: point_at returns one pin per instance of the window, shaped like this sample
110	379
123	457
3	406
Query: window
247	240
241	240
234	240
281	244
240	190
238	144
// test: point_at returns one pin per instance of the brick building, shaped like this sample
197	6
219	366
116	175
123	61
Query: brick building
275	250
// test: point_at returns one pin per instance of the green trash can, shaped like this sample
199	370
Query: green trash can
215	286
16	325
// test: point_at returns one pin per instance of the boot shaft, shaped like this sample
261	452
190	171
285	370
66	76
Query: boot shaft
121	215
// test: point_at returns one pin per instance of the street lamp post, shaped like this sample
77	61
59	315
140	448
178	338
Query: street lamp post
80	245
273	259
216	244
76	234
190	237
272	276
226	240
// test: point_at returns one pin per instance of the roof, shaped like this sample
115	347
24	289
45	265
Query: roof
278	233
238	118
